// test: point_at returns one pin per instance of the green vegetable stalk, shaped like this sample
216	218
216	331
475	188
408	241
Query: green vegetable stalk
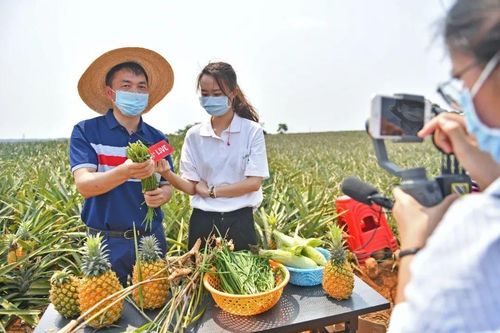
241	273
138	152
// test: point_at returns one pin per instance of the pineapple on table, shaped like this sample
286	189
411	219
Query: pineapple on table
98	282
338	277
64	289
154	294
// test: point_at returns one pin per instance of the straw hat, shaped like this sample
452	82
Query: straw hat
91	86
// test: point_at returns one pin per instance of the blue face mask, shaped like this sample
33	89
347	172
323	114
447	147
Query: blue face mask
131	104
487	138
215	105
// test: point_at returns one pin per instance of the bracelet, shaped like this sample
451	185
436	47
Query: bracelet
408	252
215	193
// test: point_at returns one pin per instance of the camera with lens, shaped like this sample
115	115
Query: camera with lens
399	118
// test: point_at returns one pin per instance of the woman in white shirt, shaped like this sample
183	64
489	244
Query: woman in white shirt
223	161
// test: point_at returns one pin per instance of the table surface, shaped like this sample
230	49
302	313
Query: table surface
299	308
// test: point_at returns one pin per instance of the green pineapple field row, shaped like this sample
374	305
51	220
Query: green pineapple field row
39	205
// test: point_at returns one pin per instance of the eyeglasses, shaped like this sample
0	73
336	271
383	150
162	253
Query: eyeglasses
451	89
450	92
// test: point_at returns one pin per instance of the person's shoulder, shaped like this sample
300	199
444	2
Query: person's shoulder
91	121
194	130
89	125
251	125
154	131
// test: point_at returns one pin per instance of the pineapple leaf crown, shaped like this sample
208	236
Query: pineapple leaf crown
149	249
23	231
336	242
60	277
95	260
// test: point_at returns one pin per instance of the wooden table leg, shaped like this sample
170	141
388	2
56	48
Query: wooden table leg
351	326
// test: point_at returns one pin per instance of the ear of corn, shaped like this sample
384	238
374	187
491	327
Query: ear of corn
302	253
315	255
288	258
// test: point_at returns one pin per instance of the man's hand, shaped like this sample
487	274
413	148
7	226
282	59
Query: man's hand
158	197
137	170
416	222
202	189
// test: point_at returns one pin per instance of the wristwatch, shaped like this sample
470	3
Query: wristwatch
211	192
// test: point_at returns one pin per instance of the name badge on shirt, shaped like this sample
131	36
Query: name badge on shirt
160	149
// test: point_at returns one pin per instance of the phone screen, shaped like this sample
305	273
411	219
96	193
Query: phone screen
401	117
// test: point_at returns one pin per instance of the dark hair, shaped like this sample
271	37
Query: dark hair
130	65
473	26
225	76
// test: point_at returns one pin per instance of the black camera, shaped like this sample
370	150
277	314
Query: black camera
399	118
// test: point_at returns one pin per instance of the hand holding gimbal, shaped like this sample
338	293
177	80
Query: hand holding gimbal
428	192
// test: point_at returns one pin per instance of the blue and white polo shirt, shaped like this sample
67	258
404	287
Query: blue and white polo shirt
100	143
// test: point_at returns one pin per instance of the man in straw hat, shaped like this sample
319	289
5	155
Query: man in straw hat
121	85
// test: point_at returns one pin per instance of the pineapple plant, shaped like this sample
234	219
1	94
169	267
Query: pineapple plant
150	265
338	277
64	293
15	250
98	283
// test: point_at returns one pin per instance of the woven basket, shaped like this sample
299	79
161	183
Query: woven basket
307	277
247	305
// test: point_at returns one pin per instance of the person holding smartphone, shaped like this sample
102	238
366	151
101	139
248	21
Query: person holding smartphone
449	277
223	161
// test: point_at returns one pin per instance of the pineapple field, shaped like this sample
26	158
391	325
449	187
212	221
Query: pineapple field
40	208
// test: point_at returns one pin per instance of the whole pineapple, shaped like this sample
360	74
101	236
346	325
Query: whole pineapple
64	293
98	282
338	277
15	250
154	294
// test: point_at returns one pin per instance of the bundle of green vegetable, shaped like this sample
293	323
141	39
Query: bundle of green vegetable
295	251
241	272
138	152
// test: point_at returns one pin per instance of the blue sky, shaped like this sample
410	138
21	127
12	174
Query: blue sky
312	64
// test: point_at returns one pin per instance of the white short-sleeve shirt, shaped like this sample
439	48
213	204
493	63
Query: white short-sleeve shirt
239	152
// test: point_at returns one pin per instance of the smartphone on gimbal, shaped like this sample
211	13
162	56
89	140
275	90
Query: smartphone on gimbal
398	117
